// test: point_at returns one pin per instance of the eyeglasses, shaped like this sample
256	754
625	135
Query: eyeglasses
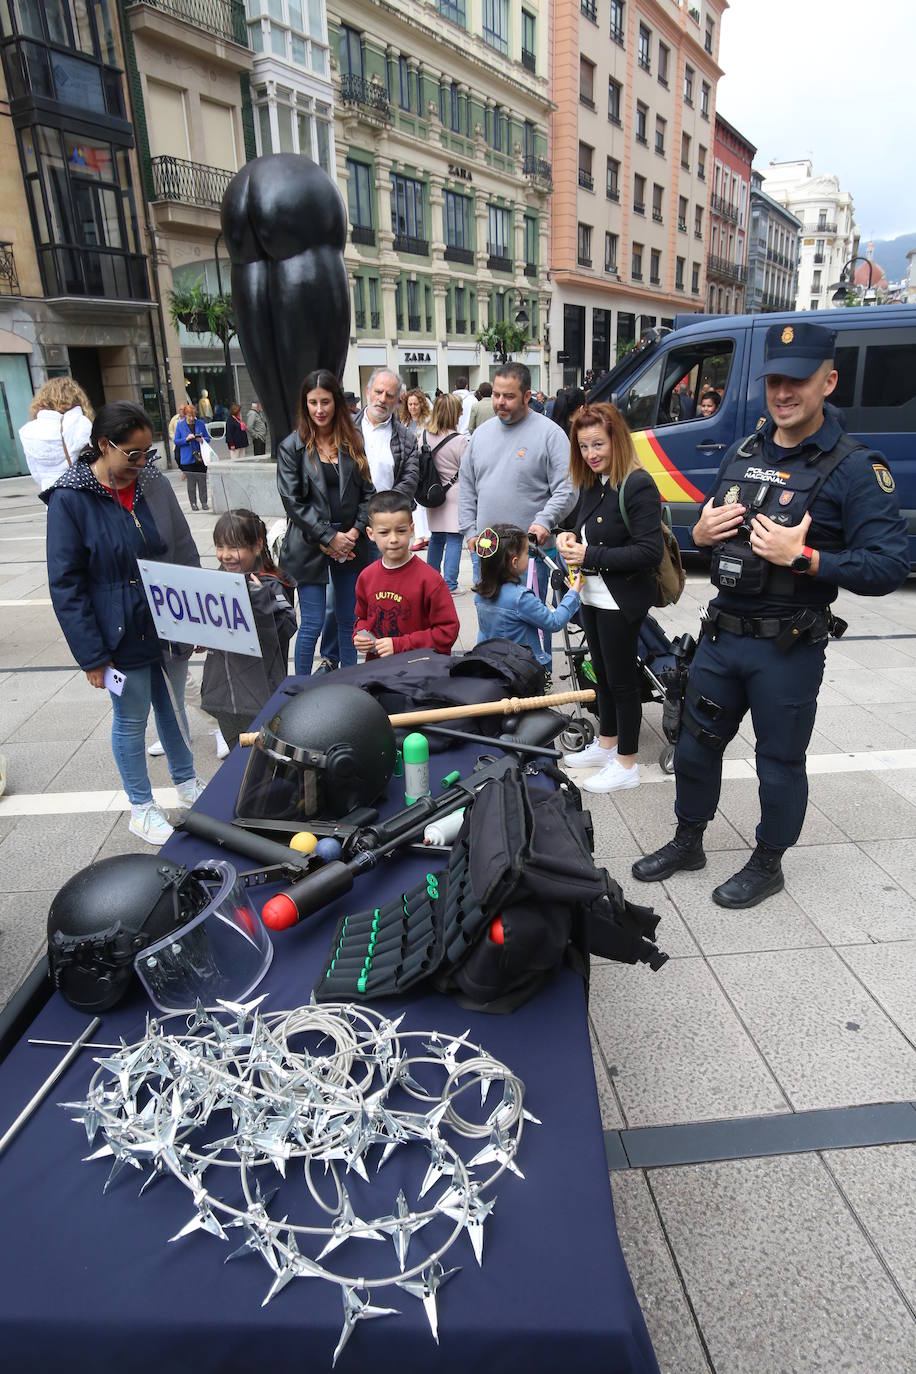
136	455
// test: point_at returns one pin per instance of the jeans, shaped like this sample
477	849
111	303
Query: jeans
197	488
177	670
330	635
450	545
312	605
143	686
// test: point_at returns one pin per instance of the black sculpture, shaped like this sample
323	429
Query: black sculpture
285	227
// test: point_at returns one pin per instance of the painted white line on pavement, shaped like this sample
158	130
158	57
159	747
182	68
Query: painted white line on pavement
28	601
73	803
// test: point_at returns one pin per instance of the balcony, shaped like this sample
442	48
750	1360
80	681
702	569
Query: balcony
36	72
825	228
465	255
496	261
586	180
360	318
105	274
701	172
617	35
528	60
539	169
366	96
9	277
641	138
639	207
613	194
657	216
655	279
584	262
375	319
225	18
190	183
405	243
531	270
590	9
723	209
818	257
682	225
779	259
721	267
361	233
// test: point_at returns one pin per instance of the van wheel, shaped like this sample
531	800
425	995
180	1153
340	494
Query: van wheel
666	759
578	735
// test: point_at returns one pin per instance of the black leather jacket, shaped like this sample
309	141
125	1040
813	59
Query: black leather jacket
301	484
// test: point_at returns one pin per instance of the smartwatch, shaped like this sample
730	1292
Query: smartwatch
802	563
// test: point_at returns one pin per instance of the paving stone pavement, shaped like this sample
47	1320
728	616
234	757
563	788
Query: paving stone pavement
799	1262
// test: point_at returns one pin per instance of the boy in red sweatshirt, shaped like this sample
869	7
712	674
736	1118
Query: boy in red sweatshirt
401	602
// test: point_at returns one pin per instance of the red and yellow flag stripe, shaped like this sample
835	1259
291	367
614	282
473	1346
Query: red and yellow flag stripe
672	485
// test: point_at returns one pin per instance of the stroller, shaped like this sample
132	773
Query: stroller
663	664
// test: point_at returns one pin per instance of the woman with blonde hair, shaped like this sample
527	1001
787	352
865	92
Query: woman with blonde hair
613	535
415	415
58	429
448	447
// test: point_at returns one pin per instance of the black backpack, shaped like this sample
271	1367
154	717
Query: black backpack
431	490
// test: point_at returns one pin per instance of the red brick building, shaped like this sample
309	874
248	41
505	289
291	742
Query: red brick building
730	184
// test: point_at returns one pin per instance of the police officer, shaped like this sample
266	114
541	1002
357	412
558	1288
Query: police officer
799	510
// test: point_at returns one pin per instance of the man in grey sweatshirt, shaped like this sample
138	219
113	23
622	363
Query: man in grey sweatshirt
515	470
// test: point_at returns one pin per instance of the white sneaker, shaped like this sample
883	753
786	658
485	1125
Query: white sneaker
149	823
613	778
189	791
592	757
156	749
222	748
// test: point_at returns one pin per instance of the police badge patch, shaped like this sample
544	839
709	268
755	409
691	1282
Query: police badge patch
788	334
785	497
731	496
883	477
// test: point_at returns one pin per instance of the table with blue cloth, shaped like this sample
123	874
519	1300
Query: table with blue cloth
91	1284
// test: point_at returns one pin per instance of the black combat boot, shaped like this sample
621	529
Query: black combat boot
685	851
760	877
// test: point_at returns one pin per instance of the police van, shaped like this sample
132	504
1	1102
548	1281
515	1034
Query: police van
658	387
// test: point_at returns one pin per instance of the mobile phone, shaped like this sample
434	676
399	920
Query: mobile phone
114	680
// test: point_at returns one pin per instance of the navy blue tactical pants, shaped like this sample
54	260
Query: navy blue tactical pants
780	689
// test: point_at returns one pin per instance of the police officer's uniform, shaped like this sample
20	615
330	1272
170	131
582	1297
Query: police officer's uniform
766	630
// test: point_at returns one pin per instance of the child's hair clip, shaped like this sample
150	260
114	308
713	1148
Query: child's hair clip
487	543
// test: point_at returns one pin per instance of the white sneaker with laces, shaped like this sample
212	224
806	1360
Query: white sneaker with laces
156	749
592	757
222	748
189	791
613	778
148	823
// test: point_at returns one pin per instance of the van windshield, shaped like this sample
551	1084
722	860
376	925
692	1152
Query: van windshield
670	390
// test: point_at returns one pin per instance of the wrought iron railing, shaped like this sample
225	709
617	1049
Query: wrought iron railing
174	178
453	254
356	90
538	167
405	243
360	233
9	277
226	18
721	207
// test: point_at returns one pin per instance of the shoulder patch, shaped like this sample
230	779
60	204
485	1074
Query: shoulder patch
883	477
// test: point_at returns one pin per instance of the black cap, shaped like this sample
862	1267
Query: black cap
796	350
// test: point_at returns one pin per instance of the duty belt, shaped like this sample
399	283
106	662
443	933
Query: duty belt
811	625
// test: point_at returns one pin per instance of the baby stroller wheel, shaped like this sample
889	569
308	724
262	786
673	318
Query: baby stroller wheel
666	759
577	735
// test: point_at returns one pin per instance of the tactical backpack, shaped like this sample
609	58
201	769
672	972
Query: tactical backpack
670	577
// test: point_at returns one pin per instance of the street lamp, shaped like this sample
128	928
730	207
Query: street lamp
842	287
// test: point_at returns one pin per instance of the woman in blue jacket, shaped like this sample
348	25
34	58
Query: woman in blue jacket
104	513
188	433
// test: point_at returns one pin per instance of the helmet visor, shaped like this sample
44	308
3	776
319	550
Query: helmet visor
222	952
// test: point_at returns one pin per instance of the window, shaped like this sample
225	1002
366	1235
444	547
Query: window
403	84
614	90
626	329
816	281
531	242
637	262
819	250
573	341
658	193
610	252
399	305
499	307
679	274
458	216
496	25
612	185
587	82
698	221
704	100
695	278
461	309
701	162
888	387
408	219
528	41
617	21
682	214
359	303
688	85
639	194
642	114
655	267
454	10
374	312
359	194
584	245
660	127
601	339
413	305
450	107
685	151
586	179
642	50
498	230
651	400
664	55
528	139
710	33
350	50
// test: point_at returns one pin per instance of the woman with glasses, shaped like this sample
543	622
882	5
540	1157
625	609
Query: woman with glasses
109	509
189	432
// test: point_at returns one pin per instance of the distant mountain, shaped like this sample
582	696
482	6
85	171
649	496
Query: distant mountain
891	254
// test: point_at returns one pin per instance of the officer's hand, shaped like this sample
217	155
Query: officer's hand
778	544
716	523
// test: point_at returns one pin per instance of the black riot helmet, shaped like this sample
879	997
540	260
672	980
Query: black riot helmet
188	935
327	751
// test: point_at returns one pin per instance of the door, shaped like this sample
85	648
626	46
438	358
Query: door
86	369
15	399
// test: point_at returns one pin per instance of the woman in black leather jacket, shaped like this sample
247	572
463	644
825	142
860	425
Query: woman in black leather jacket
324	484
618	554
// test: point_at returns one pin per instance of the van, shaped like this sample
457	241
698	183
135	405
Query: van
876	392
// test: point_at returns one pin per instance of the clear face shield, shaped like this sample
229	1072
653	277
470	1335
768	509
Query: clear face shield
222	952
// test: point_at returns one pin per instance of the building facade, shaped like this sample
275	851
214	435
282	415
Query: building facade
632	139
829	237
441	111
772	253
729	203
75	290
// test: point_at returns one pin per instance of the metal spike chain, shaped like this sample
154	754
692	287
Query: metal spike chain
153	1106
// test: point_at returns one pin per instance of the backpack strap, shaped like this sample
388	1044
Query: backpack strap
622	504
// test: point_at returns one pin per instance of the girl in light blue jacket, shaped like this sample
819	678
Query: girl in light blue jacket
506	607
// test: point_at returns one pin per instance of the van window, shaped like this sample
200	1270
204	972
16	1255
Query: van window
654	398
846	362
887	400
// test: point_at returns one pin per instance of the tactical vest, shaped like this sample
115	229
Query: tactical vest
782	491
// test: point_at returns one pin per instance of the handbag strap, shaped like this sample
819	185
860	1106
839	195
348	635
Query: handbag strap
63	444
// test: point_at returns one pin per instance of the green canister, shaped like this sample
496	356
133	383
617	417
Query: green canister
416	767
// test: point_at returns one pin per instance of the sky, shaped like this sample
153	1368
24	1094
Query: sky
833	82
